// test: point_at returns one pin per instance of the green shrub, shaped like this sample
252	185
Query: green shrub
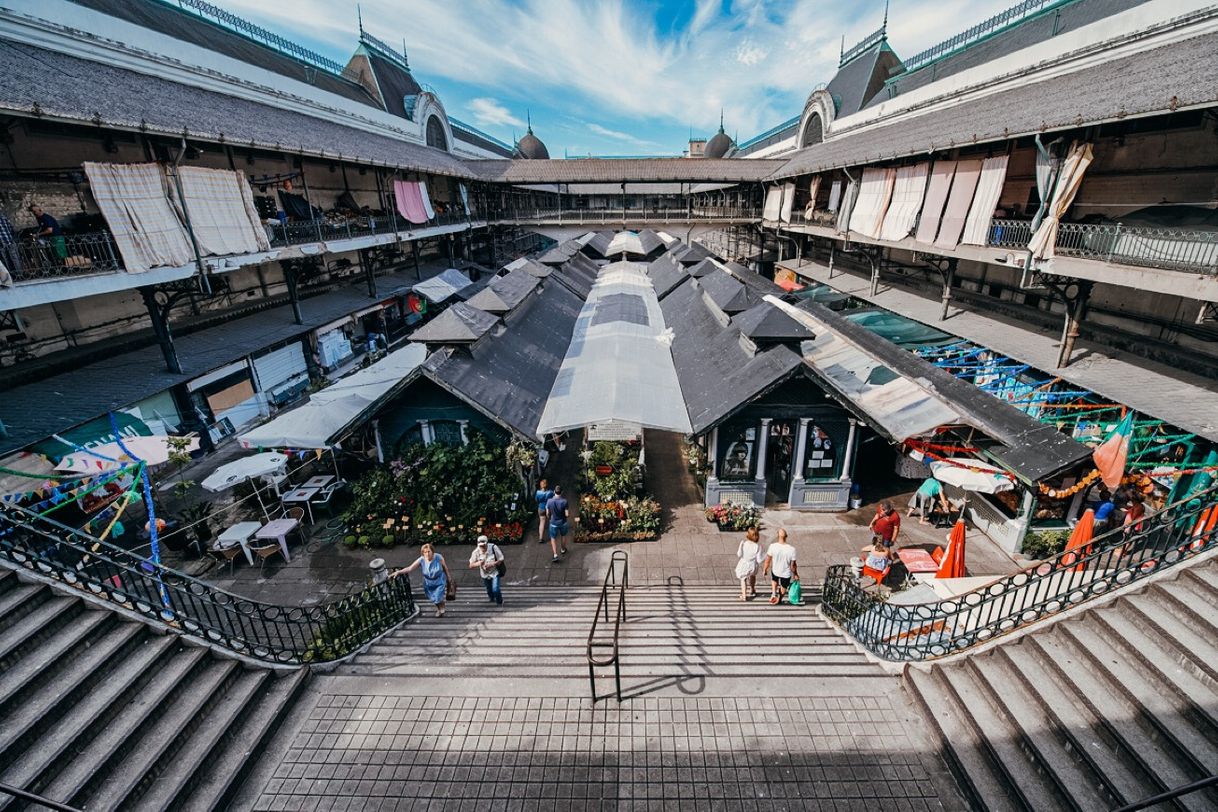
1041	544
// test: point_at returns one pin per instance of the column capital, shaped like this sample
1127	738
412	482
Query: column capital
765	421
803	421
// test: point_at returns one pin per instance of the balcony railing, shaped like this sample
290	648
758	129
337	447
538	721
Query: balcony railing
55	257
285	635
1174	249
307	231
1177	533
611	216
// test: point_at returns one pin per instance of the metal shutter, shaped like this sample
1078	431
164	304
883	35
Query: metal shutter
280	366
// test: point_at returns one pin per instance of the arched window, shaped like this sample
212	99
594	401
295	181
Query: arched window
435	134
813	131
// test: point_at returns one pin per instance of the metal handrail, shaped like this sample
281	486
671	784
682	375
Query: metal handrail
38	800
1176	249
981	29
60	256
1171	794
603	605
1114	559
321	230
652	214
284	635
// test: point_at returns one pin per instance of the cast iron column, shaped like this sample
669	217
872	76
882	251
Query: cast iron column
160	328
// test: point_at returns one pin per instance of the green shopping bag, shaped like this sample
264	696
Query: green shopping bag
795	594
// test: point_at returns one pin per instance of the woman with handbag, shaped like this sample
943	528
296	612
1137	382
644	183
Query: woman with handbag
748	558
436	582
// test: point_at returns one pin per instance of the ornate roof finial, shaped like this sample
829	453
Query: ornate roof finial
720	119
528	114
405	58
359	14
884	27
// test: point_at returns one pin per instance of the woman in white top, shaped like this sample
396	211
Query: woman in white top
748	557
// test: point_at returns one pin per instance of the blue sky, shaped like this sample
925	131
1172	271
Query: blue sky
619	77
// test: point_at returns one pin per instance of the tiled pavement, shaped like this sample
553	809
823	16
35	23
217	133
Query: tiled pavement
433	752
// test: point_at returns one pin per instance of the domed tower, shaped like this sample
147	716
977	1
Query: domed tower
531	146
720	144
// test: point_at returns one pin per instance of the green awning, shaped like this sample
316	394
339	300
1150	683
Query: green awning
94	433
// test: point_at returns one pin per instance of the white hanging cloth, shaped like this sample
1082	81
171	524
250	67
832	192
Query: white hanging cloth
788	201
958	203
1068	182
875	193
906	202
936	198
985	201
773	204
146	229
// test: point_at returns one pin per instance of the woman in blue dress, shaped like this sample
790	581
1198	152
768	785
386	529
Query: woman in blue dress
435	576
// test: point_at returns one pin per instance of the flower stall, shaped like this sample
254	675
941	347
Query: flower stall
612	504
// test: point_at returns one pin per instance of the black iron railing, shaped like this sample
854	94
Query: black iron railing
612	216
1173	249
57	257
925	631
307	231
288	635
979	31
612	581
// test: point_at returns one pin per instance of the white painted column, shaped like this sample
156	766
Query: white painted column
376	437
425	431
464	424
712	455
848	462
801	443
761	447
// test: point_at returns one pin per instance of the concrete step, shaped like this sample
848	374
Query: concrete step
579	670
75	677
1025	771
1095	689
1191	581
1178	618
1121	662
1039	736
26	634
213	787
19	599
27	673
210	729
966	750
159	741
1085	734
146	689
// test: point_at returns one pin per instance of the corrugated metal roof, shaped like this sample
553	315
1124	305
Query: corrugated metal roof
903	396
459	324
609	170
1180	75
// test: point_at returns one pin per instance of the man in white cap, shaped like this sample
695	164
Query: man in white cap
487	558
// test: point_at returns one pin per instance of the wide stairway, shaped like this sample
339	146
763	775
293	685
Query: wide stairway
670	632
1102	709
101	712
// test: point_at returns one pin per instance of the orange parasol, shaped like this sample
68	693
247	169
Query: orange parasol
952	565
1079	544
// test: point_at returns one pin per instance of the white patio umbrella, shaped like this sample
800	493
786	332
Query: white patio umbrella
152	450
251	467
971	475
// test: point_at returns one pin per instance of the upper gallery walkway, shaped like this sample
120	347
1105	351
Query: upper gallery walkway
1180	398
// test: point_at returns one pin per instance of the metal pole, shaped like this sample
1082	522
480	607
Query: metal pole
204	282
304	182
948	276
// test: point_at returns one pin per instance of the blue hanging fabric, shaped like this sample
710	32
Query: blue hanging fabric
153	536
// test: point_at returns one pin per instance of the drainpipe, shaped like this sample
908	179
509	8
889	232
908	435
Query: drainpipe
304	182
204	281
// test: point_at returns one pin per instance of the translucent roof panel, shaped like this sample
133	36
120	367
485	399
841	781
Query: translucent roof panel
900	406
443	287
619	364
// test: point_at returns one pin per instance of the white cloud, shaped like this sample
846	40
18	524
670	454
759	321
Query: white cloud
758	61
490	112
618	135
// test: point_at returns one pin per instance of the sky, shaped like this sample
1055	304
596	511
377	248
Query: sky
619	77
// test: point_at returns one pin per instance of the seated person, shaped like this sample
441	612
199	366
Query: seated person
874	557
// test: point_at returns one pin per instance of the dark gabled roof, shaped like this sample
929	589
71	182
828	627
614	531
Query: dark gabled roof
666	273
460	323
533	267
860	78
757	284
599	244
729	294
766	323
509	376
503	293
651	241
610	170
1180	75
692	254
394	82
560	253
1032	450
717	374
703	267
578	274
1054	21
167	19
55	86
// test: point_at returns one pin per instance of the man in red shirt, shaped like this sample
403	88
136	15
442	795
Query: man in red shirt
885	525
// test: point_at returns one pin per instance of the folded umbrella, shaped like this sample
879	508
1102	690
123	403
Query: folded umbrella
952	565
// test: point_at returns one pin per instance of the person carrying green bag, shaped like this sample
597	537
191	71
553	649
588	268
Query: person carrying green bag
795	593
781	567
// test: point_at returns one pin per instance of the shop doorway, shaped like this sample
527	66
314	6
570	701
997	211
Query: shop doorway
779	456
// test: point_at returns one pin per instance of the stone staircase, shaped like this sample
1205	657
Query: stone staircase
1092	712
101	712
670	632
